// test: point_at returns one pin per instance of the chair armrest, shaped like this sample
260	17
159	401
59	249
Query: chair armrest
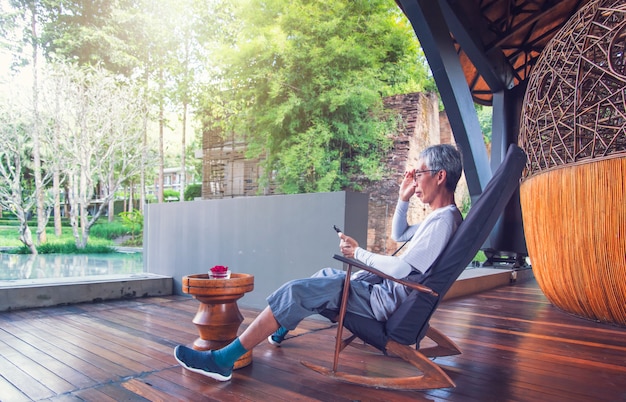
413	285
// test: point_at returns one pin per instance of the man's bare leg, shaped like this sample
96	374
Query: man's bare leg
218	364
263	326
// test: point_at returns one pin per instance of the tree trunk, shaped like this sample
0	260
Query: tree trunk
78	209
83	210
125	203
84	230
161	152
25	234
183	175
131	197
111	203
144	151
56	193
42	216
73	212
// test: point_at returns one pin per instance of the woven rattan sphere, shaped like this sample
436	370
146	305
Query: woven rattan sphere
573	129
575	104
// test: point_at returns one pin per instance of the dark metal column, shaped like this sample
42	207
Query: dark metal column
508	233
434	36
433	21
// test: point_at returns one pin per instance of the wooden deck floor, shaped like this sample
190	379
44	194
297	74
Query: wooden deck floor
516	347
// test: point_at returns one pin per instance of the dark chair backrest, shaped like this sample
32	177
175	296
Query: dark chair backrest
409	323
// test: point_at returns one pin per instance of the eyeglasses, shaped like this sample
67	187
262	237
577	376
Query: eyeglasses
418	174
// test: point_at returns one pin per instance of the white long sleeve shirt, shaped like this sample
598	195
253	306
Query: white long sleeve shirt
427	241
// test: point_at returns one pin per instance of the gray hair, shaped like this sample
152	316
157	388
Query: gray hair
444	157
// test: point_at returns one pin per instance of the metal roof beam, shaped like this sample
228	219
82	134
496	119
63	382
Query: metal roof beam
433	33
468	27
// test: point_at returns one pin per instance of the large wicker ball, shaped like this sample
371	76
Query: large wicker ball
573	195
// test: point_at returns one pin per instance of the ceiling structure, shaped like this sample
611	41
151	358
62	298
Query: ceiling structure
482	52
499	41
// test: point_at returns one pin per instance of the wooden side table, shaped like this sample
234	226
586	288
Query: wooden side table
218	317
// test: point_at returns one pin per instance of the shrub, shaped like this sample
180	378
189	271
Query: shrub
171	195
108	230
133	221
65	248
193	191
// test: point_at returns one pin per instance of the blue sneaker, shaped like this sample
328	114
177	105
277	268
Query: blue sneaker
202	363
277	337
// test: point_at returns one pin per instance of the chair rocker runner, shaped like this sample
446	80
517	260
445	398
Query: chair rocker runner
409	324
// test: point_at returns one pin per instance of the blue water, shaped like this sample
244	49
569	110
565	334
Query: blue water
50	266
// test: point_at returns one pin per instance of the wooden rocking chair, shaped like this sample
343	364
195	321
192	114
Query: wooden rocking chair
408	325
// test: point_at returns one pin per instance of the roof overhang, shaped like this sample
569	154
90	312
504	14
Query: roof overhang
499	41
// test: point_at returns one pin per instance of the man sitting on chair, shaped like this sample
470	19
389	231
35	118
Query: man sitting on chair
433	182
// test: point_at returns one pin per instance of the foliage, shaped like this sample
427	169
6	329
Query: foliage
170	195
303	83
61	244
17	193
485	119
87	32
466	204
9	236
96	137
99	241
133	220
109	230
480	256
193	191
66	248
12	220
300	83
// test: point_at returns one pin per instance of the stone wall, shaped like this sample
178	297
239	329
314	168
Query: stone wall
418	124
421	125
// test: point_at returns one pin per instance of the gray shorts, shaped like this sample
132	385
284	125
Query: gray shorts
300	298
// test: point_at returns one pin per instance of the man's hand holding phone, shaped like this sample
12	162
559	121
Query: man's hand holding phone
347	245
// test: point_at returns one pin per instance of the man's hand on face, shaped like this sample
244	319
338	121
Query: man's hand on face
407	187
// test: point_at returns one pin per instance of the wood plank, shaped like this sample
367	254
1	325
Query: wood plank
88	351
148	391
516	346
131	344
45	354
20	379
42	367
188	388
93	394
117	392
8	390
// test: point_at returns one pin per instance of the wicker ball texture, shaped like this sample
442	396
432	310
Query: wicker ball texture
573	196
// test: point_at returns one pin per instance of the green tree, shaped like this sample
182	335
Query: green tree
100	145
304	81
16	193
33	15
89	32
133	38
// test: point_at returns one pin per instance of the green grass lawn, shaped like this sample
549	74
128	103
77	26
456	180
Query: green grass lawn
9	237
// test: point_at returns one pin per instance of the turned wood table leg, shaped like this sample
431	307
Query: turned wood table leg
218	317
218	325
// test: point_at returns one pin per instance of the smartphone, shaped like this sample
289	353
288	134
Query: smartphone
336	229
